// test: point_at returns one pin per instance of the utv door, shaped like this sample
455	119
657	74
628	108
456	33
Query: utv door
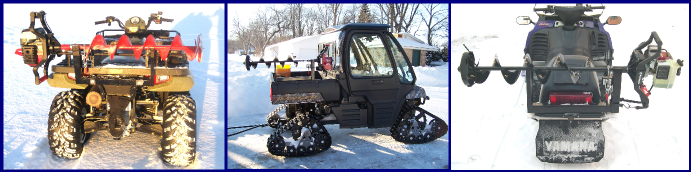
372	74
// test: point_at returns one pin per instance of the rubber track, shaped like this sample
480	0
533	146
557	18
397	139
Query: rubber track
400	133
322	140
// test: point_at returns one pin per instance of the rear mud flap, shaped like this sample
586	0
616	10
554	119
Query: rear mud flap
564	141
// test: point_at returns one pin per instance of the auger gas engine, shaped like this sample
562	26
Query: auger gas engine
361	78
138	76
571	83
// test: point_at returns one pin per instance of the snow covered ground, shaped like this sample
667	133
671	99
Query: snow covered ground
249	103
26	105
492	130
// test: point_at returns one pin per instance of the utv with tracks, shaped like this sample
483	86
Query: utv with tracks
361	78
571	83
140	76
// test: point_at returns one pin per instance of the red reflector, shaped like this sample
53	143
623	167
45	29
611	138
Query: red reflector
570	98
271	93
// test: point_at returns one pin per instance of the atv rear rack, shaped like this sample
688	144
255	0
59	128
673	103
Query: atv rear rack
148	32
40	47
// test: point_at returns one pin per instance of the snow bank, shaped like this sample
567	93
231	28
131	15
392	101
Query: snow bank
436	76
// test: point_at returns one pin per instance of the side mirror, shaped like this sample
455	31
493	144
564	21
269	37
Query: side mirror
523	20
613	20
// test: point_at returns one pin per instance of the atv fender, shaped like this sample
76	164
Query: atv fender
175	84
417	92
60	80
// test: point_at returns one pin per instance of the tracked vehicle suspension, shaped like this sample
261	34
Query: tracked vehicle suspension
412	126
308	137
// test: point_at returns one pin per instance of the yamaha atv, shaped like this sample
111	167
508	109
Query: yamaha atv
360	78
137	76
571	82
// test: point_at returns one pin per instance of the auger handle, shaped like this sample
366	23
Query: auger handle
653	36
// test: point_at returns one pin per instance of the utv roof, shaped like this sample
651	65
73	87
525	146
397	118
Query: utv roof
357	26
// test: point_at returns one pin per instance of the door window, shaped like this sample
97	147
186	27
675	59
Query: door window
405	73
368	56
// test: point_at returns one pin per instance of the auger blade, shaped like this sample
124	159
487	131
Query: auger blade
247	63
254	64
509	76
192	52
469	74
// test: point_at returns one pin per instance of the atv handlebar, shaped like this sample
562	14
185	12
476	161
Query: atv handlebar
110	19
155	17
166	20
597	7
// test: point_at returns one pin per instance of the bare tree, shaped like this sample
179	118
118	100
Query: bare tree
295	19
386	11
350	14
336	12
275	24
264	28
399	16
242	34
435	17
407	17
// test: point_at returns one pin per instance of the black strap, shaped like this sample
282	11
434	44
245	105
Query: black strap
250	127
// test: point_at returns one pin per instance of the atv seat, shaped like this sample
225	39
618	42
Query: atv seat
560	81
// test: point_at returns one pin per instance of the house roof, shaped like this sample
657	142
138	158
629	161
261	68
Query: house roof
410	36
295	40
411	44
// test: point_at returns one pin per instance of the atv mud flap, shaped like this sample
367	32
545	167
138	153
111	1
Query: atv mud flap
563	141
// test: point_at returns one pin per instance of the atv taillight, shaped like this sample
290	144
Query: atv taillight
160	79
271	93
71	76
570	98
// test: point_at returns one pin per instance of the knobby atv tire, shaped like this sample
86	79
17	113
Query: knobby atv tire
178	144
66	136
